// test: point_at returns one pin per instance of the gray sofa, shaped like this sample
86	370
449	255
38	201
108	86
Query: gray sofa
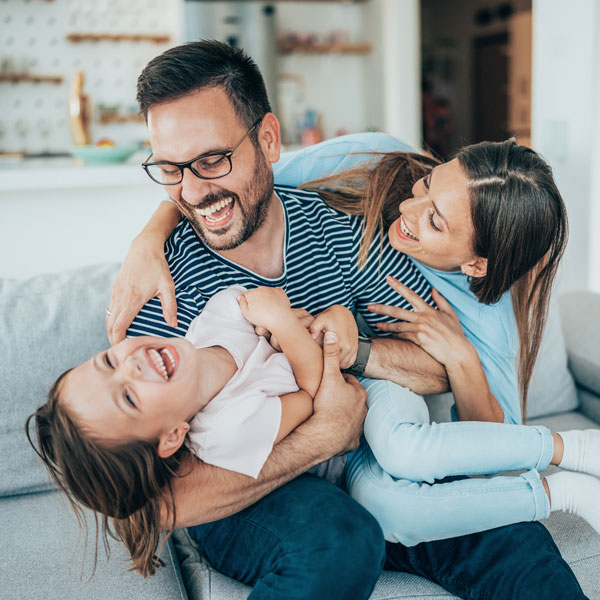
51	322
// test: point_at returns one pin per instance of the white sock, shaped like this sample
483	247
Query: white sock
582	451
576	493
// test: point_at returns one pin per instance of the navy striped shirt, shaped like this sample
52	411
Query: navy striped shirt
320	268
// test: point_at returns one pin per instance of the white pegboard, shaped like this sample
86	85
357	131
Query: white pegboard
33	39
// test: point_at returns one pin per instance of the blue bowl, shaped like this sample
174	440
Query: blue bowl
103	154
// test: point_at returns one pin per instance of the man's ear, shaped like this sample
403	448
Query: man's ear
475	268
170	442
269	137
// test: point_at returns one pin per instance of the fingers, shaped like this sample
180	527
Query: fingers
441	302
274	343
393	311
331	355
415	300
243	302
118	323
169	305
318	326
396	327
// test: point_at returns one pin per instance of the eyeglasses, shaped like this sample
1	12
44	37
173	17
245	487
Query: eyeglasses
212	165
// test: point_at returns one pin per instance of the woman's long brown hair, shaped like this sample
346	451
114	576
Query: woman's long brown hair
128	482
519	219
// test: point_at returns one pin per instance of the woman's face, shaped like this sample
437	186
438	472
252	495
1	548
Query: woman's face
435	225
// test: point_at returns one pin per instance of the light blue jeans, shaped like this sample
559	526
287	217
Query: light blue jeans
394	471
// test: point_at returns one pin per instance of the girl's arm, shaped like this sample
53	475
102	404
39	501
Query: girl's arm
144	274
270	308
440	334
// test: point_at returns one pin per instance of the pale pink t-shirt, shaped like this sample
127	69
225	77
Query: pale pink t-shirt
237	428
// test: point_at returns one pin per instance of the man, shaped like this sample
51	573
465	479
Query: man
213	139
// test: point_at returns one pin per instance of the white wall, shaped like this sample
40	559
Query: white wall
566	125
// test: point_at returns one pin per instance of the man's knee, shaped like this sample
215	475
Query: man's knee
346	554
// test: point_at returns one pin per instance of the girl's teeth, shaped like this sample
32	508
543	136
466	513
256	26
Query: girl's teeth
158	363
166	352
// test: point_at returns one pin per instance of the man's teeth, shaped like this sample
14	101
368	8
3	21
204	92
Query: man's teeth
406	231
157	359
206	212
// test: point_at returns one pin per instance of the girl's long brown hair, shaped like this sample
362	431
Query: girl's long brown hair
128	482
519	219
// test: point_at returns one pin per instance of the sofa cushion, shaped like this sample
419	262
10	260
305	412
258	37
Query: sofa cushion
47	324
552	389
581	321
45	557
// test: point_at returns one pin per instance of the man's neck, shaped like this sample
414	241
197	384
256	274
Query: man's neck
262	253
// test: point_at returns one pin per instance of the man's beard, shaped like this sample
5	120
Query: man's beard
257	195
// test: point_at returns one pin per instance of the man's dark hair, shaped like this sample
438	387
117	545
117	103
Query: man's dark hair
205	64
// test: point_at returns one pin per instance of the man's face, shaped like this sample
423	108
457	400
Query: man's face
225	212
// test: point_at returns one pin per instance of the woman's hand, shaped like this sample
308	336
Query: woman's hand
339	319
143	275
438	332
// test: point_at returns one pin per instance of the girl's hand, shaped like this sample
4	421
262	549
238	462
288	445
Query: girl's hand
266	307
143	275
438	332
339	319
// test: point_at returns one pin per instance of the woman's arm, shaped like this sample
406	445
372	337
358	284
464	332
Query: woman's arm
144	274
440	334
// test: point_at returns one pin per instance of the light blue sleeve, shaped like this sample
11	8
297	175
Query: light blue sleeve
332	156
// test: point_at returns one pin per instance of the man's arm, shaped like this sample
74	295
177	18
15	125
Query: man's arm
406	364
205	493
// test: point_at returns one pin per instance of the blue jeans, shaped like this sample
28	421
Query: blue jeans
310	540
394	476
306	540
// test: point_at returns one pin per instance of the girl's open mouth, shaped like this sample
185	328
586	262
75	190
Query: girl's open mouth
163	360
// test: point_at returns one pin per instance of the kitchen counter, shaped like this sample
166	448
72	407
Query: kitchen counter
68	173
56	214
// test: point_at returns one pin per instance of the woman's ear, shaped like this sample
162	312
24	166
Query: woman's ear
269	137
170	442
475	268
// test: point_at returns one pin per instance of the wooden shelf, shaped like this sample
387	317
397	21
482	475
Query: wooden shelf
119	37
106	119
286	48
17	77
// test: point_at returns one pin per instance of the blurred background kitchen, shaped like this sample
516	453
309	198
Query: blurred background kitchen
437	73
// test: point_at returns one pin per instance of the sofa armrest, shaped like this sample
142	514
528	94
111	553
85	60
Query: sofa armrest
580	312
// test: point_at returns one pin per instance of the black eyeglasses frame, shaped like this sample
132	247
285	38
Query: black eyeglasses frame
188	164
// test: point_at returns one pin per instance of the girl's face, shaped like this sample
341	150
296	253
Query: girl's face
435	225
139	389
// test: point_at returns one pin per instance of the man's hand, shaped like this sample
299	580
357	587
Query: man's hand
143	275
339	319
340	404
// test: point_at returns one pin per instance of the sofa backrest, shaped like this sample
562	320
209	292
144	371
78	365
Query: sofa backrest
47	324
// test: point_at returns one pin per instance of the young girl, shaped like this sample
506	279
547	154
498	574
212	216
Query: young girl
113	429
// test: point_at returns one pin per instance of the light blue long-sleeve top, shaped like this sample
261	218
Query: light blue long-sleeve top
491	328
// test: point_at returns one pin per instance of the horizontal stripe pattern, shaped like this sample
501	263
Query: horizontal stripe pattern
320	268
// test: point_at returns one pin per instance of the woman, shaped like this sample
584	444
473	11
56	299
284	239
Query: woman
485	223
